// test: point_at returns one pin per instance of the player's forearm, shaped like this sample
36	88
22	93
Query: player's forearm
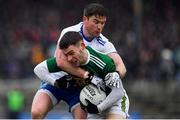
120	67
77	71
42	72
115	95
66	66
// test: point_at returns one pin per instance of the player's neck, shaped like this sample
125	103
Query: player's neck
86	56
86	35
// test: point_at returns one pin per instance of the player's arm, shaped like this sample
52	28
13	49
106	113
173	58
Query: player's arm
120	67
44	69
111	51
115	95
66	66
116	92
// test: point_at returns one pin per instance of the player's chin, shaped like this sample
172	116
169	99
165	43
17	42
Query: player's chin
96	34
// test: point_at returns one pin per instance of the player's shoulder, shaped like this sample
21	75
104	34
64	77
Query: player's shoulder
93	50
75	28
103	38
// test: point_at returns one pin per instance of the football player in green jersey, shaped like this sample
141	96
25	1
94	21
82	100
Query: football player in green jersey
102	66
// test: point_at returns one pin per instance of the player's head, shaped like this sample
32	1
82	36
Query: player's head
94	18
94	9
73	47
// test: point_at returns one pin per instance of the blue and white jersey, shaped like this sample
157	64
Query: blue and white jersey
100	43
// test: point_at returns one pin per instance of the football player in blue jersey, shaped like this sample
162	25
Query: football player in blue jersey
49	94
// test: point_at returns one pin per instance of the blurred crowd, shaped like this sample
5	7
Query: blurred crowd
30	29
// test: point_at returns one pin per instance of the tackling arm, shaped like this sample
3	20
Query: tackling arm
120	67
66	66
41	70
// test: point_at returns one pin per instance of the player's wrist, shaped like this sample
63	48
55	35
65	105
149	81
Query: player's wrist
99	108
118	73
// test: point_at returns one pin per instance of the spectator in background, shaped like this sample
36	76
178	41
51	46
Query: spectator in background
14	102
37	54
160	23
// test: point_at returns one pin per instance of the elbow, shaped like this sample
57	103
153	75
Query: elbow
122	70
36	69
125	71
118	92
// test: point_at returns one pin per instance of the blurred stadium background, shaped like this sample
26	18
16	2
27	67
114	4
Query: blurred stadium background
146	34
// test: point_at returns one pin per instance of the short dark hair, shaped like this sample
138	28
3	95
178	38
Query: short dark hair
69	38
94	9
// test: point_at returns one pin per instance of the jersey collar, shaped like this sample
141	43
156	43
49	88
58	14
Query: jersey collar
88	57
81	31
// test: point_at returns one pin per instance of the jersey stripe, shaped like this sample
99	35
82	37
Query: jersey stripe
99	39
97	61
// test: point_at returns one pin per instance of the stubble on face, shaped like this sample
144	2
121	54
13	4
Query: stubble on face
95	25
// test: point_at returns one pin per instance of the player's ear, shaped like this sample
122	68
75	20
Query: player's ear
82	45
84	18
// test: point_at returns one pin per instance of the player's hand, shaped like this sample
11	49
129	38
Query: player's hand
91	108
64	82
113	79
94	79
80	82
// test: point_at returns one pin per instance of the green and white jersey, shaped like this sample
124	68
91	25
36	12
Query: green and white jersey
98	63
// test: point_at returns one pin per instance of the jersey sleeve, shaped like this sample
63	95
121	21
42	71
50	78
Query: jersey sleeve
52	65
115	95
41	70
62	33
47	71
71	28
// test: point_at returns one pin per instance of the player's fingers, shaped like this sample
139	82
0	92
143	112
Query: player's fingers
115	84
108	82
118	84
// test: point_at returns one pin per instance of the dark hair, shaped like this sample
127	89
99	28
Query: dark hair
94	9
69	38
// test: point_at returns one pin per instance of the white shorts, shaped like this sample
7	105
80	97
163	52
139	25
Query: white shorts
121	108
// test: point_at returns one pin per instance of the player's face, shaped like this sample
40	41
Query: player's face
93	25
75	54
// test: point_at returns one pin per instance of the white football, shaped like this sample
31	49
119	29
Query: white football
91	93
